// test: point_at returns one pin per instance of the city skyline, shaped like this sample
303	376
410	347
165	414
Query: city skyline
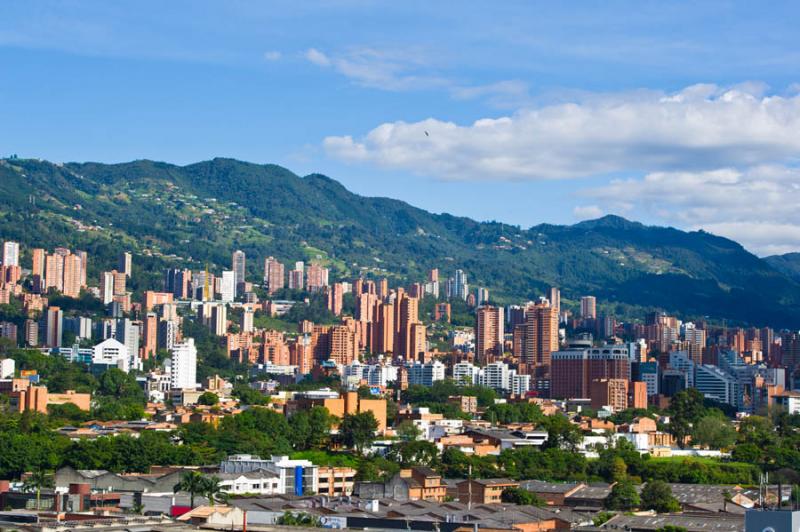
471	93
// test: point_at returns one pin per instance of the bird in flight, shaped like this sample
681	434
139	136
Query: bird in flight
427	134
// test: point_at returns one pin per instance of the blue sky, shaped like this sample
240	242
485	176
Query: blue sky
679	113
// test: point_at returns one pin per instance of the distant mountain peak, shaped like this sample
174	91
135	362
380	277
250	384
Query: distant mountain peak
609	221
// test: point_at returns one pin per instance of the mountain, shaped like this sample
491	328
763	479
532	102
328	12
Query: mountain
788	264
201	212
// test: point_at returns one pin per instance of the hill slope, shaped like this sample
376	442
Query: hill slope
201	212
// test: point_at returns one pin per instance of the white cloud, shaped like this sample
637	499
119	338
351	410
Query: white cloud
317	57
701	127
380	69
587	212
756	206
272	55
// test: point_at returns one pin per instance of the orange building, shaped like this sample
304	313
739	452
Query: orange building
484	491
24	397
424	484
153	299
610	392
348	403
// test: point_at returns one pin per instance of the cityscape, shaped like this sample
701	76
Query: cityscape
432	267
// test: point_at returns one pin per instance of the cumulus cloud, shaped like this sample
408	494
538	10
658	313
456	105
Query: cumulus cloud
699	128
756	206
587	212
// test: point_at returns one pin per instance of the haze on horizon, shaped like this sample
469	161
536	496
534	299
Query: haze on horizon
671	114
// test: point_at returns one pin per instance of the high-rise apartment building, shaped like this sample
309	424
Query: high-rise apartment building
407	315
336	298
149	336
238	265
540	337
54	327
555	298
219	319
10	253
54	272
343	345
588	307
460	287
183	365
246	324
107	287
125	264
227	291
73	273
37	265
383	330
488	334
573	370
296	276
274	275
316	278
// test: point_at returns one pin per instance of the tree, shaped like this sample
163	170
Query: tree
414	453
310	429
672	528
116	383
602	517
726	498
193	483
358	430
408	431
623	497
516	495
298	519
208	399
213	490
714	432
37	480
248	396
686	408
562	433
657	495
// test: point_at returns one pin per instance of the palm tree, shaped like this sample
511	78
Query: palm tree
37	479
214	492
726	498
192	482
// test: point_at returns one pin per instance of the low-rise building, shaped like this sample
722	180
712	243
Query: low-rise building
484	491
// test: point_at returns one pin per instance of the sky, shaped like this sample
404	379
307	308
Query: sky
670	113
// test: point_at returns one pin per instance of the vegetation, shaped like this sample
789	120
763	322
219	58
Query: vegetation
522	496
224	204
623	496
192	482
298	519
657	495
357	431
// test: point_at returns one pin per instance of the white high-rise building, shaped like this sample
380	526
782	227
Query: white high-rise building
247	320
128	333
10	253
461	285
238	266
426	374
465	373
183	365
228	286
113	353
497	375
520	384
107	287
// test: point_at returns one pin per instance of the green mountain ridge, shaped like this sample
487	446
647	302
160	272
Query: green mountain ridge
201	212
